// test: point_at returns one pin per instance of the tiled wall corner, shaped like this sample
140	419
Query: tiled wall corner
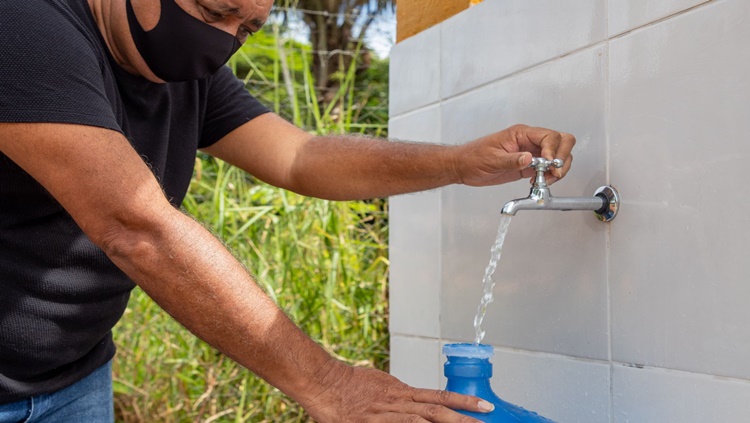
416	361
415	240
680	117
625	15
415	72
551	282
499	37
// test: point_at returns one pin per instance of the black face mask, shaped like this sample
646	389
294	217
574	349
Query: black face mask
181	47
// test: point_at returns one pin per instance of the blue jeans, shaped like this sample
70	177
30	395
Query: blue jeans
88	400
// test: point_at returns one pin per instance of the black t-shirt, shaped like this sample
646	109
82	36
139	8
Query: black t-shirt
59	294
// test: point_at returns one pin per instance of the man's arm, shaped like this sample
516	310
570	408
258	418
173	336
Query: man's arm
102	182
352	167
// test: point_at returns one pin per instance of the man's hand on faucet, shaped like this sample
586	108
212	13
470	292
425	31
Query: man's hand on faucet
505	156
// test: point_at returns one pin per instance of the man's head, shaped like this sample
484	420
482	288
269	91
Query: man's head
172	40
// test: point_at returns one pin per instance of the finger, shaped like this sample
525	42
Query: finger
521	160
567	141
550	143
565	168
453	400
547	139
437	413
512	161
400	418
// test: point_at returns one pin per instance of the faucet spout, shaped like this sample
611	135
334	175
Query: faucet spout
598	204
605	201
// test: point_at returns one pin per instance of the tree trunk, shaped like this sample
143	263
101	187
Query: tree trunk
331	24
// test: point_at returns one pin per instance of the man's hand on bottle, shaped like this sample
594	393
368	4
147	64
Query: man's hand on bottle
353	395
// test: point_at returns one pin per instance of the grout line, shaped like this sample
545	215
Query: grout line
612	363
524	70
608	231
572	52
543	62
660	20
545	354
411	336
411	112
538	353
683	372
440	204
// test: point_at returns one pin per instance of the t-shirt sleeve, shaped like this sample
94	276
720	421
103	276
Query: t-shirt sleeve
228	106
50	70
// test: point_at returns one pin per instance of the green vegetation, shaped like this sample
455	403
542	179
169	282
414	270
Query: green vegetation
324	263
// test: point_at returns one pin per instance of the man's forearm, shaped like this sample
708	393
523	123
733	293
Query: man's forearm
109	191
351	167
194	278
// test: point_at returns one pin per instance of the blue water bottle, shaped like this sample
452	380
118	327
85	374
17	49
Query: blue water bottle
469	370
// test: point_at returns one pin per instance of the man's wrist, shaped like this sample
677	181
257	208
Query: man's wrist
451	160
321	382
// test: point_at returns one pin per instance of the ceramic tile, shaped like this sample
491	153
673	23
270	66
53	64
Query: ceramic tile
659	396
422	125
500	37
415	72
414	246
415	361
551	281
625	15
560	388
680	101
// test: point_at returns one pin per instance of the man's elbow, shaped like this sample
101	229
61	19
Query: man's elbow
131	235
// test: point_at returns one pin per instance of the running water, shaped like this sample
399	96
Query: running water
487	282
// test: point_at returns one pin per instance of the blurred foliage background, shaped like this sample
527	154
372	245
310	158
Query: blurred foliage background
325	263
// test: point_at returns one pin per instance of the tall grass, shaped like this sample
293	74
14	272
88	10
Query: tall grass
324	263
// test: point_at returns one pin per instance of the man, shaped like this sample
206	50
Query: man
102	106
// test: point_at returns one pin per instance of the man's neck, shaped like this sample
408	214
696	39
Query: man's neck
111	19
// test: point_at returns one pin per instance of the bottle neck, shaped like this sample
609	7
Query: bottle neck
468	367
468	375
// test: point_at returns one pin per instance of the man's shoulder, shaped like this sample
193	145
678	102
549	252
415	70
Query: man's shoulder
35	27
48	38
53	64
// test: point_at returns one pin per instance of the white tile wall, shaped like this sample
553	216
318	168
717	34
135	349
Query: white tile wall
554	262
420	126
416	361
625	15
662	110
415	240
414	79
499	37
664	396
679	252
565	390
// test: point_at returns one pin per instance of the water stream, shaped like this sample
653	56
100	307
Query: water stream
487	282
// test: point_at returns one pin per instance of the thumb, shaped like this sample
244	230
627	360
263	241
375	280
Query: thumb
518	161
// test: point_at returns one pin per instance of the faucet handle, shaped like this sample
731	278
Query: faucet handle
541	164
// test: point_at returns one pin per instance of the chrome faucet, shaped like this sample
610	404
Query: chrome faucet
604	203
